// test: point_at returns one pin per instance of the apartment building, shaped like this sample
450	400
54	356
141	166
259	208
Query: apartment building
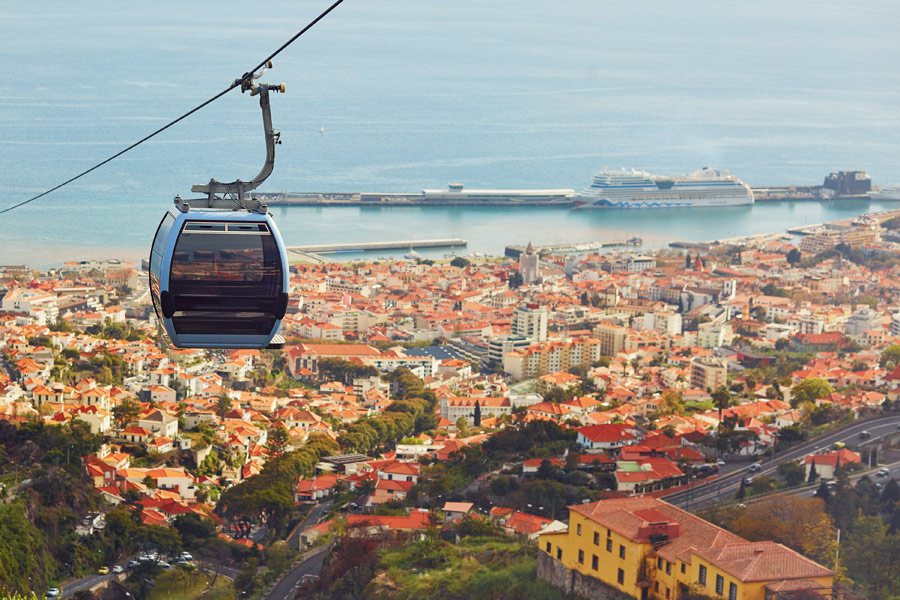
530	321
549	357
708	373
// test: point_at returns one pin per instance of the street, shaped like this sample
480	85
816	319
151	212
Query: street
725	487
313	518
286	588
69	589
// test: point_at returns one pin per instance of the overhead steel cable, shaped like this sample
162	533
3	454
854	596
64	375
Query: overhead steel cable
237	83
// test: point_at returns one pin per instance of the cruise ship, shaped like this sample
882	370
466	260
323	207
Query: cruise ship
639	189
888	192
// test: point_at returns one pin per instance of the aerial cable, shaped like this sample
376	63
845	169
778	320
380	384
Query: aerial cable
237	83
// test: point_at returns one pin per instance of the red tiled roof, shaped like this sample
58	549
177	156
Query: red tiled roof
606	433
762	561
415	520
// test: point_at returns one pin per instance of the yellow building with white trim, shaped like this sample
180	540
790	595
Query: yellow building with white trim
649	549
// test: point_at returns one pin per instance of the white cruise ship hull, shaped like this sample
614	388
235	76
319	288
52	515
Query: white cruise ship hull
891	193
637	189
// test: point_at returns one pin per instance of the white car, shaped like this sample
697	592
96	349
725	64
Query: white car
883	472
118	569
52	593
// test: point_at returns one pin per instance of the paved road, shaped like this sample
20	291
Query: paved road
893	473
725	487
69	589
287	587
314	517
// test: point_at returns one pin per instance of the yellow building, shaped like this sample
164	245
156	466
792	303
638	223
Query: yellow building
646	548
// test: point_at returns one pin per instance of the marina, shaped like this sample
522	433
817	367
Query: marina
516	251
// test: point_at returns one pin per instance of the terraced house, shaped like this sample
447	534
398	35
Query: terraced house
648	549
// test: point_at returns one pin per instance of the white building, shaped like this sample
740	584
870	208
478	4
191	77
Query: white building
714	335
530	321
664	322
863	320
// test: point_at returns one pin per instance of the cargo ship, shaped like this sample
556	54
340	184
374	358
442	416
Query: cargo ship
639	189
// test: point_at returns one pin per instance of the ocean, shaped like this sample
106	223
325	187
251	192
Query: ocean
398	96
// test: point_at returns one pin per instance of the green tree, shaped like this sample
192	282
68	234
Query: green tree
277	442
460	262
741	492
793	256
126	412
810	390
793	473
813	476
871	555
890	356
223	405
247	582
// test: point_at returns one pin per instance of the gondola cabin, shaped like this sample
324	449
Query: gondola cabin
219	278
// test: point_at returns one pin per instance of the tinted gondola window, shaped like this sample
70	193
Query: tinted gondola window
238	256
226	277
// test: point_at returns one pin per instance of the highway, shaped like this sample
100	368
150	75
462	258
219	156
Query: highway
725	487
86	583
809	492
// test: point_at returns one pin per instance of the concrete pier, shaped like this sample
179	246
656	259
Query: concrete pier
361	246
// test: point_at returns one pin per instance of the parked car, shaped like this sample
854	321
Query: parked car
118	569
133	563
53	593
103	571
883	472
720	462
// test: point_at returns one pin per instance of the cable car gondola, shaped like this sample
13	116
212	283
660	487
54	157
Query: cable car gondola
218	266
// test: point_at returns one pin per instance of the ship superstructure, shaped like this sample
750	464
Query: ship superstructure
639	189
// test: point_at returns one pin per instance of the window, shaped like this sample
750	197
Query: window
609	545
720	585
668	568
656	586
667	593
609	533
732	591
548	547
581	556
621	576
225	278
558	553
659	563
621	551
682	568
702	578
595	562
579	529
596	538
